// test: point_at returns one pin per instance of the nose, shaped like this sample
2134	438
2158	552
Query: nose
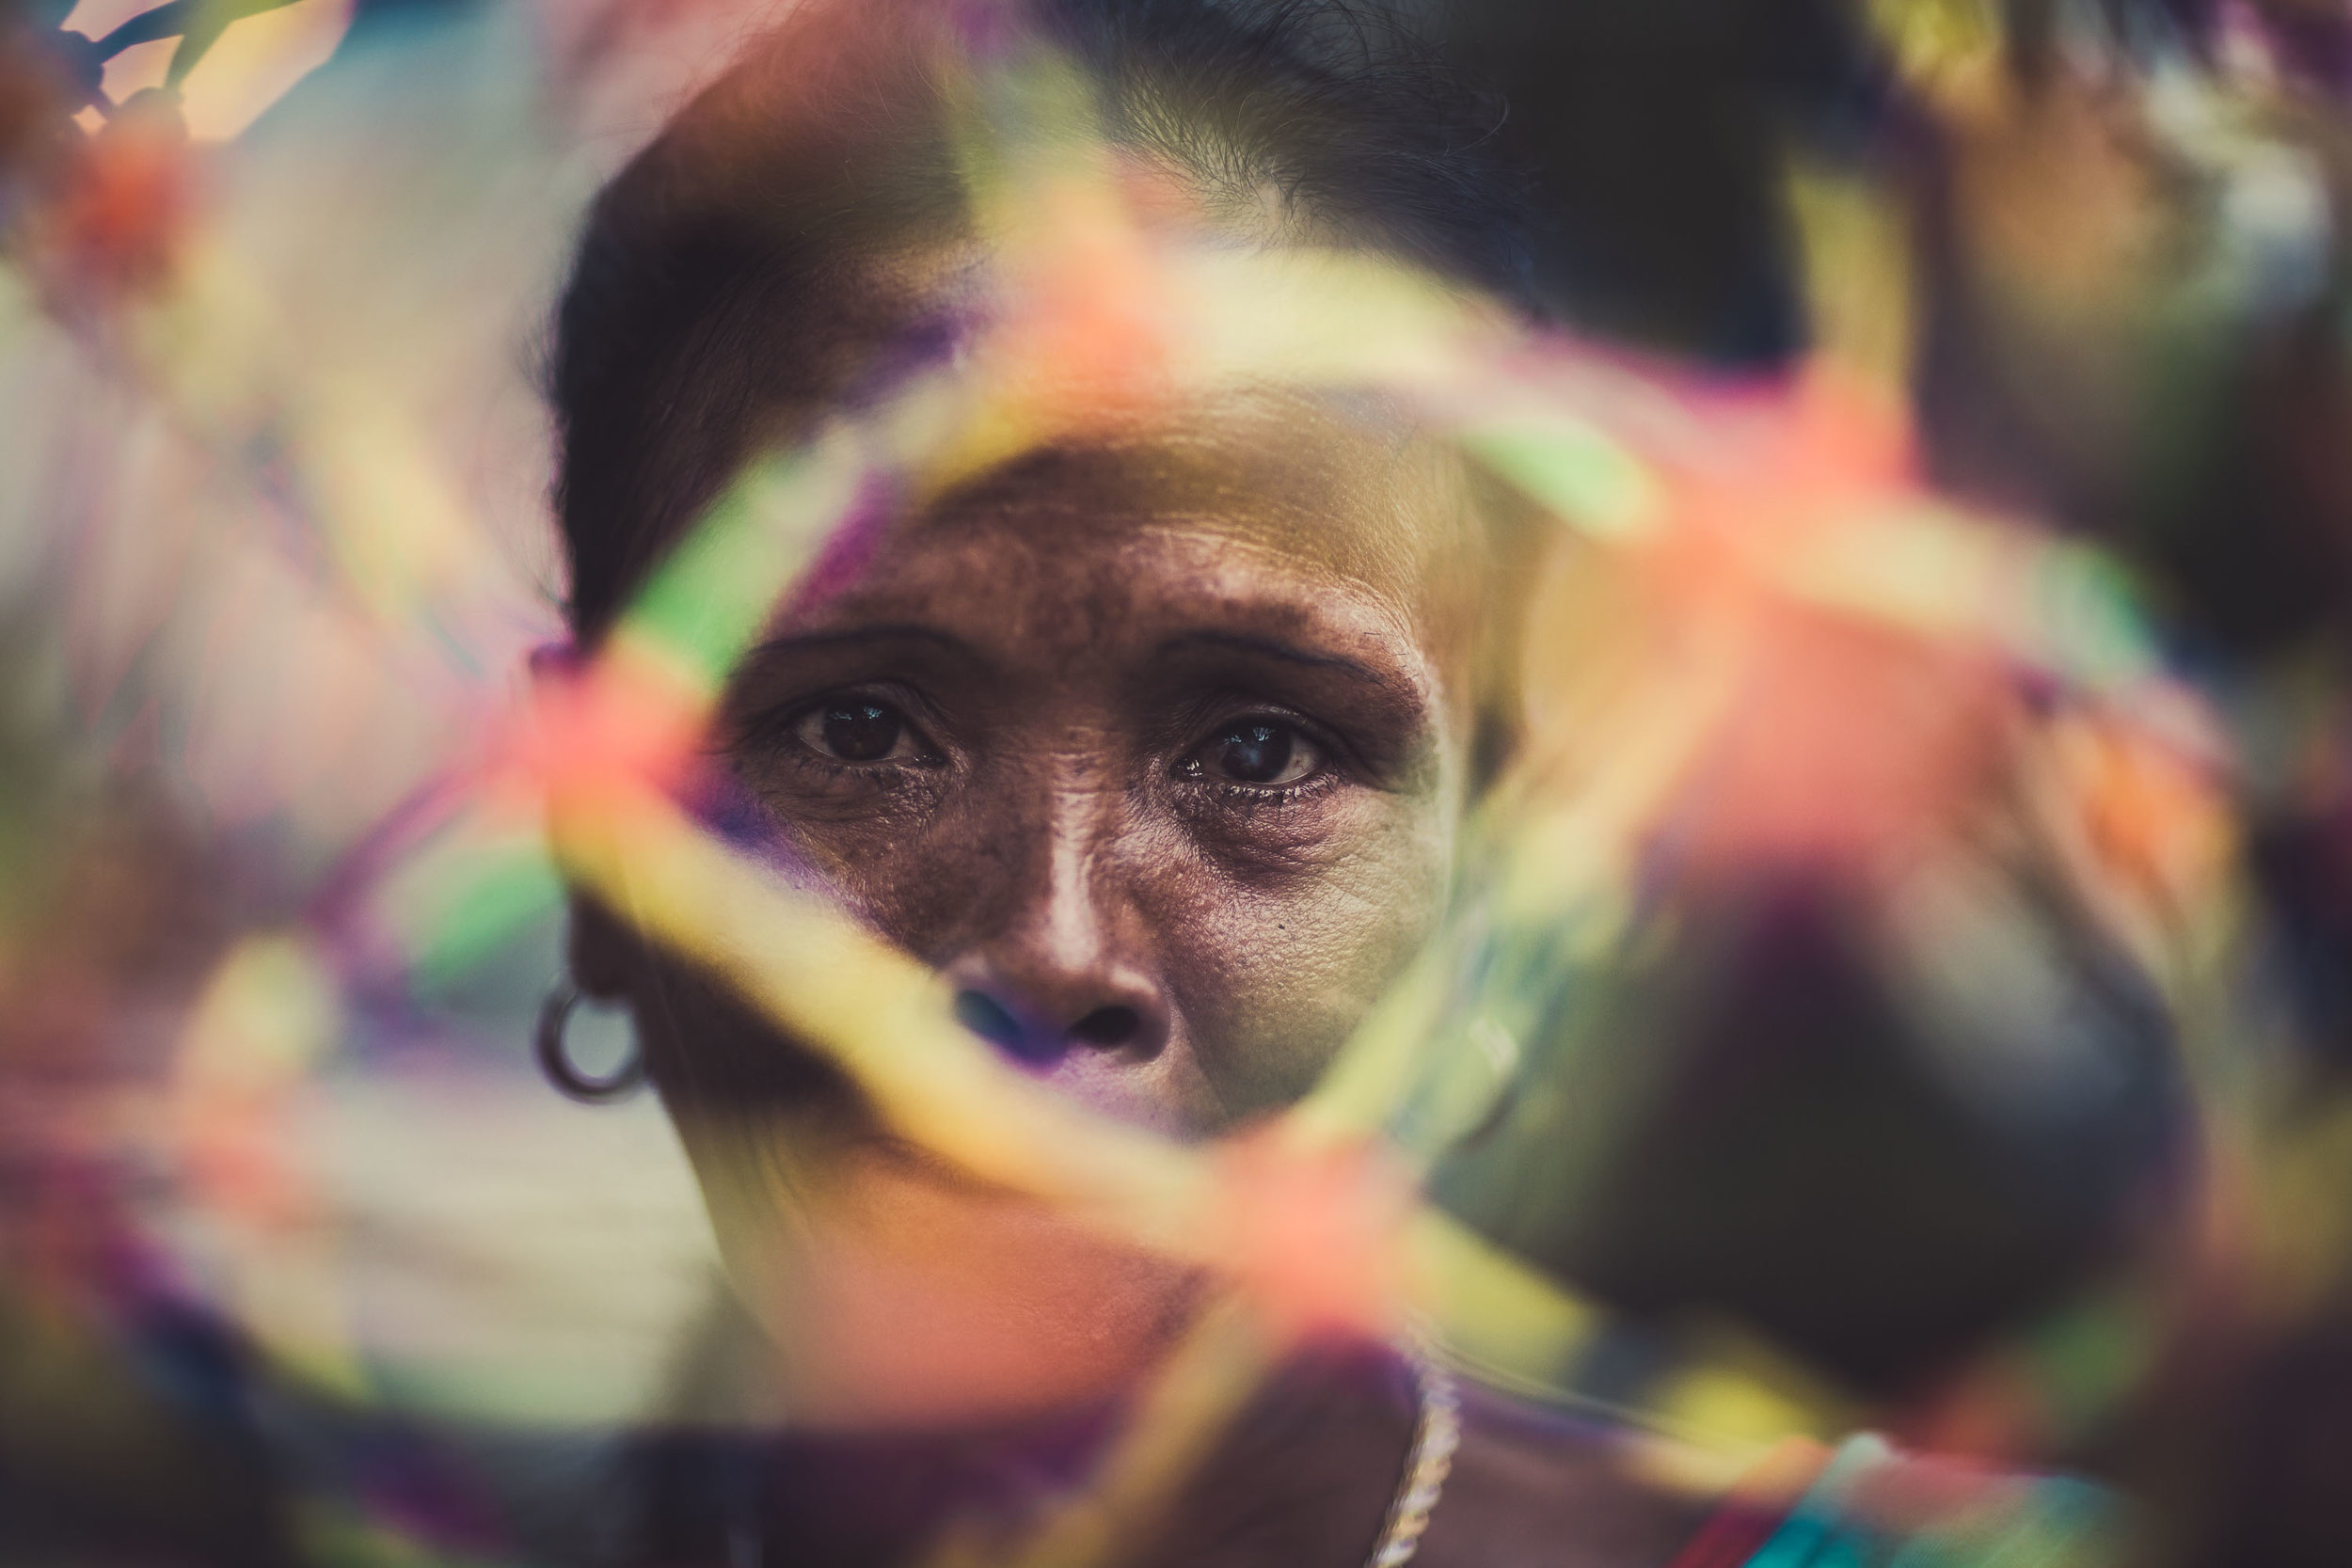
1031	1034
1066	966
1039	1016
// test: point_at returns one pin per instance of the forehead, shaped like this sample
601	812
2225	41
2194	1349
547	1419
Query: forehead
1259	495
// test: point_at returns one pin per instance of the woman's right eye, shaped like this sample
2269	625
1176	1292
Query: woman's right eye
1264	754
858	730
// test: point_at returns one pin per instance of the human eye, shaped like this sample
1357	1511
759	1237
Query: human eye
1256	752
854	730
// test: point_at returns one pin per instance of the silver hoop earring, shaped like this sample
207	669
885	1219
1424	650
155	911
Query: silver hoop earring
554	1014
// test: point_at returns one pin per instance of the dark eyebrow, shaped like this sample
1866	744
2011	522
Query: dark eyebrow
849	637
1270	647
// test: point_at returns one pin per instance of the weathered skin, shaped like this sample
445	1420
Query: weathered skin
1054	827
1048	666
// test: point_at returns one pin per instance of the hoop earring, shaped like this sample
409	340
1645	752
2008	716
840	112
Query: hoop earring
554	1014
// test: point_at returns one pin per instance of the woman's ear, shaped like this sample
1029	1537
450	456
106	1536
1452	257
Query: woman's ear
1515	536
1495	737
600	948
602	951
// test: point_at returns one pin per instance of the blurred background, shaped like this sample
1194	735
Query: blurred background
296	1246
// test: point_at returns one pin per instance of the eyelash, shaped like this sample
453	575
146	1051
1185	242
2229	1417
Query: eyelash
1250	799
1253	798
882	775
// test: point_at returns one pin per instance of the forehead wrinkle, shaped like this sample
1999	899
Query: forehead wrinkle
1165	580
1123	558
1193	519
1316	501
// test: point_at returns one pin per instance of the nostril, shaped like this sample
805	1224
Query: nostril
1104	1028
1107	1026
988	1018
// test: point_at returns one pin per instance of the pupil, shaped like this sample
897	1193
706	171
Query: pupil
861	732
1255	753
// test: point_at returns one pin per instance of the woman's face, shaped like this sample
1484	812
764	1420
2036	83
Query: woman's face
1149	746
1153	745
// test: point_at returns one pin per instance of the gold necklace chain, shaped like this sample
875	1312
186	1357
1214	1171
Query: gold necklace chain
1437	1434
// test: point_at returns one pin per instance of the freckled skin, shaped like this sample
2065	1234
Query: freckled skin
1063	649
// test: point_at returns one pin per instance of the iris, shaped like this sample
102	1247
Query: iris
1255	751
860	731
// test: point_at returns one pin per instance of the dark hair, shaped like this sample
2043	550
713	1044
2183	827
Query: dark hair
751	265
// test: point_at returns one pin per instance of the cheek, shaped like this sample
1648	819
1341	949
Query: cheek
844	833
1274	966
890	856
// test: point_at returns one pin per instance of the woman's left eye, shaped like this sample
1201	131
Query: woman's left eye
1263	752
858	730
